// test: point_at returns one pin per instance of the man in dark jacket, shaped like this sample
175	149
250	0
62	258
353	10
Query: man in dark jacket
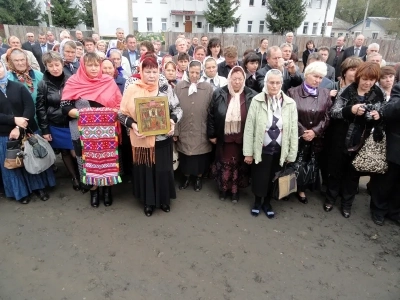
335	56
357	50
324	52
385	200
30	42
231	60
291	75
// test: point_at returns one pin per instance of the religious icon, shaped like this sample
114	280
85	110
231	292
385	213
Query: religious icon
152	115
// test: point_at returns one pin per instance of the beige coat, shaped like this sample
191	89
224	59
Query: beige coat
32	61
192	128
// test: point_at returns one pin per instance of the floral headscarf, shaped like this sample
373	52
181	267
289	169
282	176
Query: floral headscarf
23	76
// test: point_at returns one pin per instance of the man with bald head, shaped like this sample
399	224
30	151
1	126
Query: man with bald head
358	49
30	41
14	42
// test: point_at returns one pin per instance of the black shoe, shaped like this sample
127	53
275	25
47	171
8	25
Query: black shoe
222	195
268	211
255	211
25	200
185	183
235	197
148	211
94	198
108	199
42	195
165	207
303	200
346	213
198	185
378	220
328	207
76	187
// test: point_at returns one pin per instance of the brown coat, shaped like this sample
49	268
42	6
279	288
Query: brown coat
312	112
192	128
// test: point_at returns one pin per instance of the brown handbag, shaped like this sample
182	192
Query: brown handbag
14	154
13	163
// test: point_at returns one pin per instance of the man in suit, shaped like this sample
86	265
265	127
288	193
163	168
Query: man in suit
119	43
172	49
79	36
30	42
39	49
336	55
324	52
181	47
13	41
195	43
357	50
289	40
50	40
231	60
131	52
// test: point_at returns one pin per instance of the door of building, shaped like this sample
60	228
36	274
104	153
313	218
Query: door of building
188	26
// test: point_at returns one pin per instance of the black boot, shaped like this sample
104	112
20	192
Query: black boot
94	198
198	184
185	183
108	200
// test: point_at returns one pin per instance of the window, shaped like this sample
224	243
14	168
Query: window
135	24
332	34
367	23
199	25
249	25
318	3
235	28
305	28
150	24
357	33
261	29
163	1
340	34
310	3
251	2
210	28
263	2
176	24
314	28
375	35
164	24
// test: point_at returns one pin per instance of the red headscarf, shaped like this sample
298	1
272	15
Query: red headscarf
101	89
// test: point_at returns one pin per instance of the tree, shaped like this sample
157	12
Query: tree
20	12
64	14
353	11
285	15
221	14
87	13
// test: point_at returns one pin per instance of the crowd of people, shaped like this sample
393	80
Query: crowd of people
238	118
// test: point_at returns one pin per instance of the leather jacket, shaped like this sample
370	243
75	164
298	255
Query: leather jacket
218	108
48	110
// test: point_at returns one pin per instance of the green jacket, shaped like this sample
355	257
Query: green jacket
256	123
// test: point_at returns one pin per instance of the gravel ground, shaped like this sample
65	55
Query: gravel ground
203	249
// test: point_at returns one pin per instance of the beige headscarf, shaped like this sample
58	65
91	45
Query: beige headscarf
233	118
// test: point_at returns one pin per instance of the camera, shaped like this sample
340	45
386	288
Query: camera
287	63
370	107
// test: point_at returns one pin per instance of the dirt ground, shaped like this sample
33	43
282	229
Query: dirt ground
203	249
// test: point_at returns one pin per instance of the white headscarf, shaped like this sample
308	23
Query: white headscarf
185	77
275	101
233	118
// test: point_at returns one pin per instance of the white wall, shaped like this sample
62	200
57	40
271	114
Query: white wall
112	14
369	31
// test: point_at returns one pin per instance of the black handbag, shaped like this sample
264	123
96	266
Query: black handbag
306	170
355	137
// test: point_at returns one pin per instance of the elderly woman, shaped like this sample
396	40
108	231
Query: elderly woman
52	123
270	139
121	63
17	113
153	177
386	80
250	63
86	89
214	50
199	53
225	125
166	58
191	133
310	48
68	54
101	46
312	104
108	68
210	74
20	71
357	106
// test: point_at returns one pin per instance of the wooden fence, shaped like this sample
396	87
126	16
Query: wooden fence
389	49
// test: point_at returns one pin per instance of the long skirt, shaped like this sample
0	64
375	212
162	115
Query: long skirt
229	169
18	183
194	164
154	185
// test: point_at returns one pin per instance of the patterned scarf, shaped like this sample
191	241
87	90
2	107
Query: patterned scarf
22	76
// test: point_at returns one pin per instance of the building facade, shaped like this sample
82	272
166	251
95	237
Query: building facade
188	16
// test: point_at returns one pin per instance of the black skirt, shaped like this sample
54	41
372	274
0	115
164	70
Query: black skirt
154	185
194	164
263	173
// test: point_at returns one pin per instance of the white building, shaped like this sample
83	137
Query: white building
188	16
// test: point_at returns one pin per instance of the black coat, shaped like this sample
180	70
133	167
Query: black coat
335	61
391	118
348	52
218	108
342	117
71	69
224	69
288	81
37	52
48	110
252	83
306	53
18	103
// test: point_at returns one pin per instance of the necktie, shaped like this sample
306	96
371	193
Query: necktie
337	51
357	51
212	81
